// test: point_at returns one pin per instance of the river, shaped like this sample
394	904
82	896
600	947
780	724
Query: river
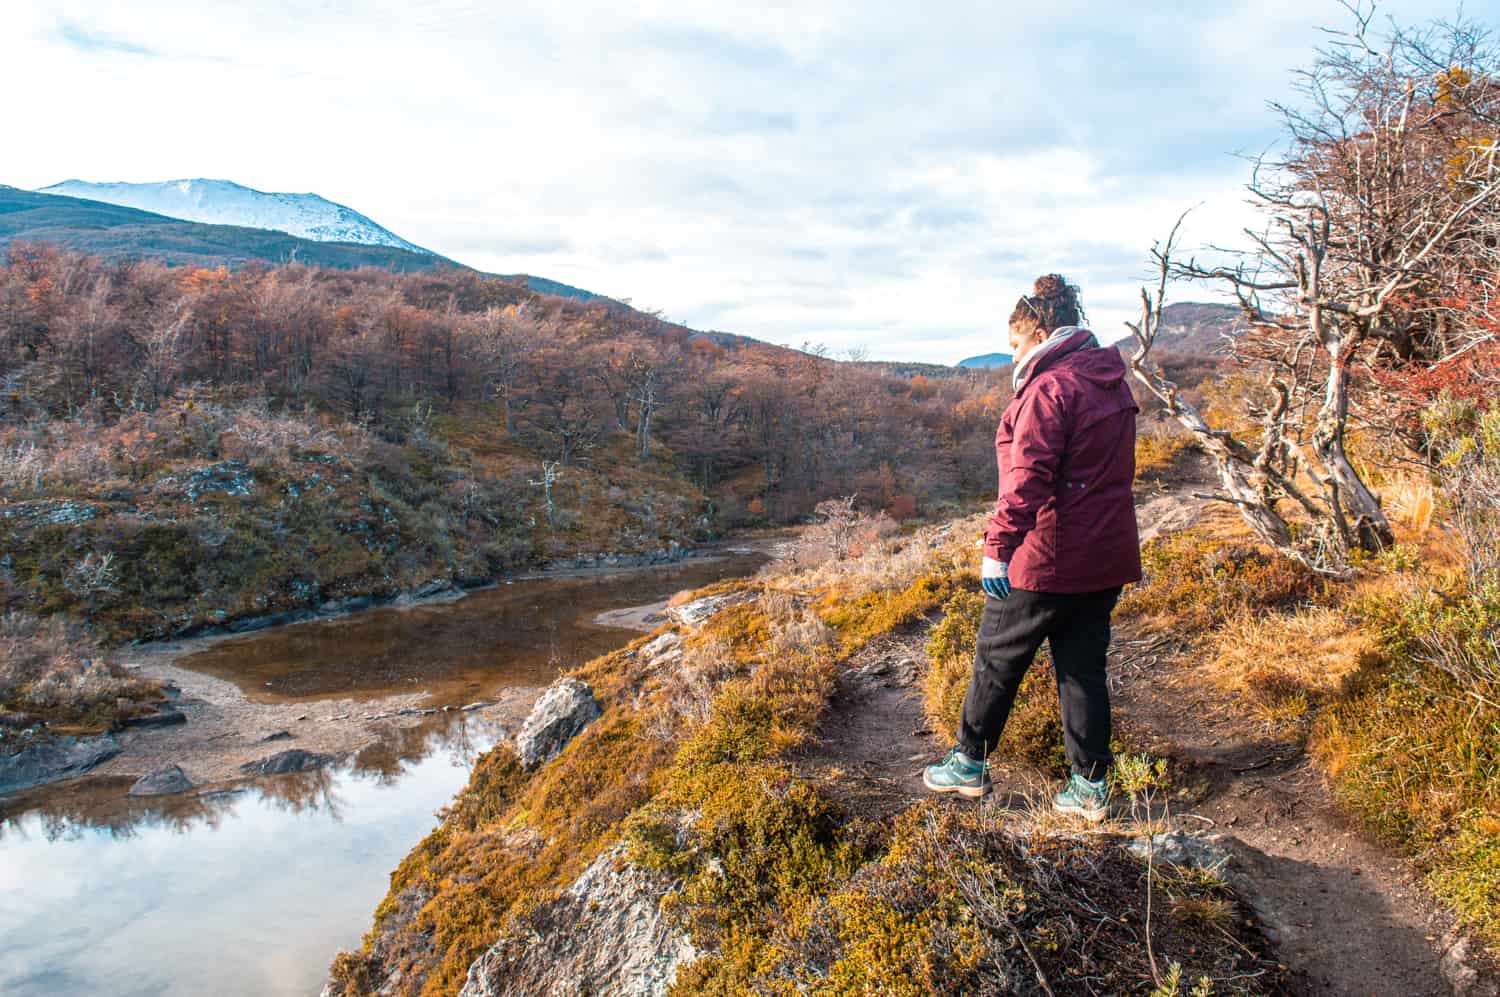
250	890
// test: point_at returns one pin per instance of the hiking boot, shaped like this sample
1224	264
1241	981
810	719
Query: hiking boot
958	773
1087	798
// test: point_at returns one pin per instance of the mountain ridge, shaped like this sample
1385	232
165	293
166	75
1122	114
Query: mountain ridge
225	202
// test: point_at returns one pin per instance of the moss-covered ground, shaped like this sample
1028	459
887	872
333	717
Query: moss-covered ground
691	768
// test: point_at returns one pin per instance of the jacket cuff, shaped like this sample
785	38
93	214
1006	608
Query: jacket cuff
998	551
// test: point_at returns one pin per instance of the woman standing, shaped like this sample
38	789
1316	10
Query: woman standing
1059	548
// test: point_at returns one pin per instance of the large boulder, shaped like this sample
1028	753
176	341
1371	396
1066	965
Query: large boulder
605	935
162	782
53	759
565	709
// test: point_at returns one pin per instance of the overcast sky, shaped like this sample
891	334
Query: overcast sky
886	175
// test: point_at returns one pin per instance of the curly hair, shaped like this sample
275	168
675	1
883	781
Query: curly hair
1052	304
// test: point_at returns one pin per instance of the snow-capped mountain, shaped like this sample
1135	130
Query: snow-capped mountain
221	202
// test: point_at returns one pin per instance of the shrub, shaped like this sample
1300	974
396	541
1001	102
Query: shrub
956	904
1158	450
1466	439
1414	751
54	669
1194	582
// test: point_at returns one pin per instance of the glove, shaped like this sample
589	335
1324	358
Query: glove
995	578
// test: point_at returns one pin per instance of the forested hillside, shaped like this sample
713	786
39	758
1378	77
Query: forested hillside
182	446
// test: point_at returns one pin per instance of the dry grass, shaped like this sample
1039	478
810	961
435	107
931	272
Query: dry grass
1285	663
52	670
1158	449
1410	501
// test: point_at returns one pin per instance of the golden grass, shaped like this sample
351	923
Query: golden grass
1158	449
1284	663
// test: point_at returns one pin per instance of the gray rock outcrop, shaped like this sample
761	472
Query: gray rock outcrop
565	709
1460	968
604	935
295	760
162	782
699	611
662	650
53	759
167	716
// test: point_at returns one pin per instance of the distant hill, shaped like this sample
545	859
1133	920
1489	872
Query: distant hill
110	230
986	361
1198	327
223	202
113	231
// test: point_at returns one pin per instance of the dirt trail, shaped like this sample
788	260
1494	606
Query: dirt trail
1348	915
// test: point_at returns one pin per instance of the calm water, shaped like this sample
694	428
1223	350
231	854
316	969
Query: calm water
243	894
252	893
517	634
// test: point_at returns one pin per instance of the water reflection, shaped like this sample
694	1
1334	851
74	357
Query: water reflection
518	634
100	803
252	890
104	894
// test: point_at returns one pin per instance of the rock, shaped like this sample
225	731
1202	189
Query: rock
162	782
51	512
477	705
1460	973
295	760
1167	514
265	737
350	605
220	794
696	613
252	623
567	707
662	650
605	934
1228	858
230	477
164	717
1180	848
16	721
432	587
53	759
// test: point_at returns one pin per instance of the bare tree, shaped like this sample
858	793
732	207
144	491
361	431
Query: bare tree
645	392
501	345
551	471
1381	200
162	345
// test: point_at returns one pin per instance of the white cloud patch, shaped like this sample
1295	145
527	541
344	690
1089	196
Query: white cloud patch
850	173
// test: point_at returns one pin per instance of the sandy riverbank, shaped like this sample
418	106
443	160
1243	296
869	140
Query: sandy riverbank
225	730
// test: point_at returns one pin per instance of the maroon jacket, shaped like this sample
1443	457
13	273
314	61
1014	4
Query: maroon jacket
1065	517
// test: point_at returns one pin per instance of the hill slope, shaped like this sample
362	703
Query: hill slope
114	231
223	202
985	361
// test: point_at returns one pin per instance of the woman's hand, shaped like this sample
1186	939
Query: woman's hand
995	578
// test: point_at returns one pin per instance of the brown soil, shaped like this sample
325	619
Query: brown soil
1348	915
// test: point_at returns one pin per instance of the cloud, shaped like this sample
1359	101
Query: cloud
87	40
845	171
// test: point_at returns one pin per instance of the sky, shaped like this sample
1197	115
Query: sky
875	176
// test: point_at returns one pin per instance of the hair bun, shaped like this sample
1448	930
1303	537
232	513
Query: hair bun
1050	287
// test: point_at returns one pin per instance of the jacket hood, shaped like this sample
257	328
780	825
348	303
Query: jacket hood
1101	365
1066	345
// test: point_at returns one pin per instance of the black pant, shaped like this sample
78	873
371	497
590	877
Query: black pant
1076	627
